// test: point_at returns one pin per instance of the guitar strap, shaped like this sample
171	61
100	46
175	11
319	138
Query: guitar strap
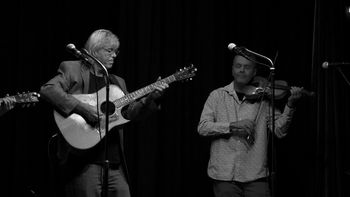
115	81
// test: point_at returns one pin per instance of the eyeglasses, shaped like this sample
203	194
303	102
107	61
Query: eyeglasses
110	51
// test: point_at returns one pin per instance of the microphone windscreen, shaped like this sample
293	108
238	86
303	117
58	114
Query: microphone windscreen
325	65
231	46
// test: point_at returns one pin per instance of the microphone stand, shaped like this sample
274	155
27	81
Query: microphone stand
104	192
271	67
273	151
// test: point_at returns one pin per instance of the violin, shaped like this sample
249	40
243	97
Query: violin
260	87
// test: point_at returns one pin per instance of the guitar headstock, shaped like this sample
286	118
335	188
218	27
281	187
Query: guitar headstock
186	73
27	98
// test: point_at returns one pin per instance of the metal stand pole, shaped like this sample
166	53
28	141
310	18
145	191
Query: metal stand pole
104	192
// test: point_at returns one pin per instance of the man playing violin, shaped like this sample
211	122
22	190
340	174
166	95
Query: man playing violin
239	129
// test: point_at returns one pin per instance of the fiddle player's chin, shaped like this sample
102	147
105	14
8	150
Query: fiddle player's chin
242	80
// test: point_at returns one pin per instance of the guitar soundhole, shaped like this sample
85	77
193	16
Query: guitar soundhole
111	108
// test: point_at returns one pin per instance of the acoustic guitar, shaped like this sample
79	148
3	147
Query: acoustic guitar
81	135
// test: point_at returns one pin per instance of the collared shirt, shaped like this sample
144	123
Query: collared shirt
231	157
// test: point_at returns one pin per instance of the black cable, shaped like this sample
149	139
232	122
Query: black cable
343	75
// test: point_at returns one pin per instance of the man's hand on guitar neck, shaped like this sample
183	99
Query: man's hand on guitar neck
6	104
158	92
88	112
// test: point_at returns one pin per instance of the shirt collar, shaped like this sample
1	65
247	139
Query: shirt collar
231	91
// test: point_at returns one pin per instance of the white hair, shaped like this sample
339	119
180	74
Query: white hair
99	38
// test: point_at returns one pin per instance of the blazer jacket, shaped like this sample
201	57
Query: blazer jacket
73	78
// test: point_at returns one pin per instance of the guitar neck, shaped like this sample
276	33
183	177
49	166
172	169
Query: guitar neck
129	98
18	99
31	97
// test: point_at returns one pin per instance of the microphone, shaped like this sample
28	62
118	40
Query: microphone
240	50
233	47
326	64
72	49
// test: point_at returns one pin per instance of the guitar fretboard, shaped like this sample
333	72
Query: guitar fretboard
24	98
129	98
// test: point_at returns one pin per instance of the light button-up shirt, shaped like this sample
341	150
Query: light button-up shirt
231	157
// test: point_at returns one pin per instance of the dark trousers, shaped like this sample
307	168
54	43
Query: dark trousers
257	188
89	183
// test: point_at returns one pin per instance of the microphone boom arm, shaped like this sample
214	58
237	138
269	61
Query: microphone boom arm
234	47
257	54
85	52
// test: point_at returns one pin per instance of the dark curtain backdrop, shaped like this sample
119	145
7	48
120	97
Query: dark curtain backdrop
166	155
331	43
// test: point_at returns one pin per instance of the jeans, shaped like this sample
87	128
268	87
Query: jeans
89	183
257	188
